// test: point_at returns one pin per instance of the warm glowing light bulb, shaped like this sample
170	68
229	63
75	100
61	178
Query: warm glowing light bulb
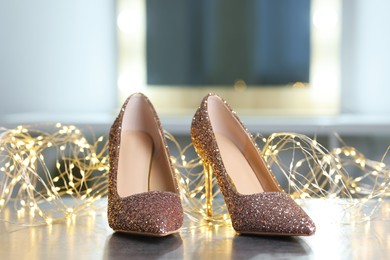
325	19
129	21
124	83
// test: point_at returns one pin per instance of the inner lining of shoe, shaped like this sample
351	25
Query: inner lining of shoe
143	162
240	157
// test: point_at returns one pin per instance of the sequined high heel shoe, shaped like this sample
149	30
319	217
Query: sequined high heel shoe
254	199
143	195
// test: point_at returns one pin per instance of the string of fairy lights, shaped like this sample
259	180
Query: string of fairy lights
57	174
36	188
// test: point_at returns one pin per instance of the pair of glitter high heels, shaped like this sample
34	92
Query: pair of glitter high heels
143	195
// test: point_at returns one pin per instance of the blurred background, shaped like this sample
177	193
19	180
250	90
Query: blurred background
314	67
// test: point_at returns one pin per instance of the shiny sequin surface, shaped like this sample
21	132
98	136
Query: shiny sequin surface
152	213
264	213
270	212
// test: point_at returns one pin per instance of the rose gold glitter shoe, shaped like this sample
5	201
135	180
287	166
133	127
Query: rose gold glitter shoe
143	196
254	199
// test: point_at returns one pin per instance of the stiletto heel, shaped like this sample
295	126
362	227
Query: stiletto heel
254	199
143	195
208	178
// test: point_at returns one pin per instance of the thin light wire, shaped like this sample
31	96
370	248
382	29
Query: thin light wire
36	189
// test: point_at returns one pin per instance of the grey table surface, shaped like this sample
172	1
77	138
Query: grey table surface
89	237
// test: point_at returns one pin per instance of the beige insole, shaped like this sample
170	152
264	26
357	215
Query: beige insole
135	158
238	167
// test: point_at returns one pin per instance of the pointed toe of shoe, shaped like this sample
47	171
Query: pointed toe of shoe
271	213
151	213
